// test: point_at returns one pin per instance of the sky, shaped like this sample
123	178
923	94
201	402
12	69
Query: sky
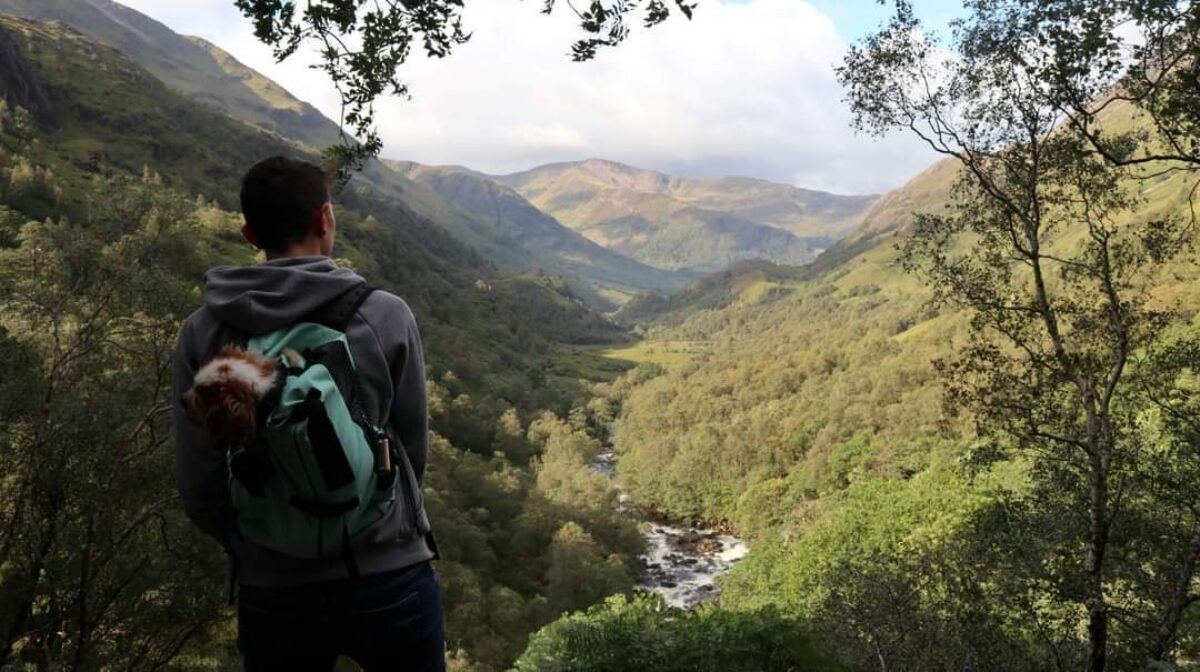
745	88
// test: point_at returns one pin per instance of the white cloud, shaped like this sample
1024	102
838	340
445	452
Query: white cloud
745	88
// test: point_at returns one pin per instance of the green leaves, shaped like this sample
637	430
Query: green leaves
644	633
362	48
363	45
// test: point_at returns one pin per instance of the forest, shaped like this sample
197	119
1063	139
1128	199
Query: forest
965	437
102	255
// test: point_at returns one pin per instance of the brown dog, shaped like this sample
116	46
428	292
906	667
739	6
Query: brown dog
226	391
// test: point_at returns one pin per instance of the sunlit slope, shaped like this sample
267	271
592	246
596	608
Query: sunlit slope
679	223
807	213
187	65
743	281
811	378
560	249
804	380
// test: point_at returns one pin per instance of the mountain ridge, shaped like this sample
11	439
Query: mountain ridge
563	249
714	222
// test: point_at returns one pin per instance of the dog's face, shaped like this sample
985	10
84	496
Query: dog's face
226	391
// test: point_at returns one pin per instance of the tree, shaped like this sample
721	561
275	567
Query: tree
1043	252
98	565
578	573
1101	56
362	45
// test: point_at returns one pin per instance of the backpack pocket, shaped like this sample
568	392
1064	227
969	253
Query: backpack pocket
400	503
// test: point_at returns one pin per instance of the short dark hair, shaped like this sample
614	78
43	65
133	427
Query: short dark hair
280	195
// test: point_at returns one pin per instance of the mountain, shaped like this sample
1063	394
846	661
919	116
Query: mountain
563	250
205	72
927	191
674	227
189	65
867	247
127	120
804	212
695	224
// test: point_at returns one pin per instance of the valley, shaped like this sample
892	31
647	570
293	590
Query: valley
681	424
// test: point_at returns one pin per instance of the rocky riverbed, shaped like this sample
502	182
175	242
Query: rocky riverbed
681	563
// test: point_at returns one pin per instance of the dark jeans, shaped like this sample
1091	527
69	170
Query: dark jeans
390	621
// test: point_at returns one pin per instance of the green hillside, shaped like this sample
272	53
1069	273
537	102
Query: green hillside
561	249
804	364
188	65
806	411
881	225
704	225
807	213
745	281
115	194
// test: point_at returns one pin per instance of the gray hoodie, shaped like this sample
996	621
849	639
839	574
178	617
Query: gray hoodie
387	352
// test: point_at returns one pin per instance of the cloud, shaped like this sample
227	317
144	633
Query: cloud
745	88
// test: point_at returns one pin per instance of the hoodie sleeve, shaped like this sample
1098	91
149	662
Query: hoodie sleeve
410	412
203	476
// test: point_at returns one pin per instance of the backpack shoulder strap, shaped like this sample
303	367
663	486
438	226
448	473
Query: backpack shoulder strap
337	313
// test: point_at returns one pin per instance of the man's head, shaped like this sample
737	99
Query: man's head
286	203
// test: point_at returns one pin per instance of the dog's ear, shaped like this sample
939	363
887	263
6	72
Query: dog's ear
232	406
193	409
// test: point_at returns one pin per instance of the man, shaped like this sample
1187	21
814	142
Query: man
383	609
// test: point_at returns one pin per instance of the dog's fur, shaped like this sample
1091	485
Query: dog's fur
227	390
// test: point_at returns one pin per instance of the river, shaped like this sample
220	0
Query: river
681	563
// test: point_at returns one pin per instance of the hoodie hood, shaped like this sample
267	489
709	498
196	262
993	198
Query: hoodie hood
274	294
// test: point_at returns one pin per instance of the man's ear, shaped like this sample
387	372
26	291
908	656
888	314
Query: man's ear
250	237
320	223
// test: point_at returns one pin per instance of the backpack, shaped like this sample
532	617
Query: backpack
319	473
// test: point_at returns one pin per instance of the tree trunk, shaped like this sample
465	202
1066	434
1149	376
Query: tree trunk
1099	455
1097	606
1097	650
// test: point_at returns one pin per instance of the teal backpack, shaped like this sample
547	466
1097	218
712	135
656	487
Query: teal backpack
319	473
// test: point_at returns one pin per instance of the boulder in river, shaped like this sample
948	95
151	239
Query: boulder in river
696	542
